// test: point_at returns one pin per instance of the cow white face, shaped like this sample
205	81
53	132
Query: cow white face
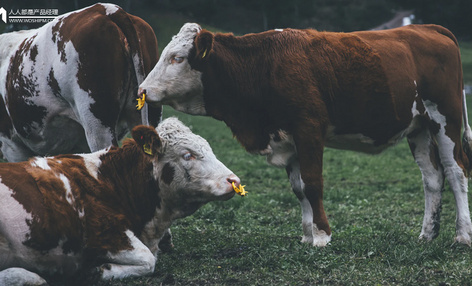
188	172
172	81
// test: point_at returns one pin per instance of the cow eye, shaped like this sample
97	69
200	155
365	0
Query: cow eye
188	156
176	60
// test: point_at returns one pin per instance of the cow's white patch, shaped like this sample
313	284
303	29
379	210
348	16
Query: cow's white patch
137	63
14	226
177	84
433	181
320	238
307	220
40	162
279	30
453	172
92	161
281	149
136	261
69	195
81	213
19	276
110	8
414	108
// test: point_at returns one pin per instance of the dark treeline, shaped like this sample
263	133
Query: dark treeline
243	16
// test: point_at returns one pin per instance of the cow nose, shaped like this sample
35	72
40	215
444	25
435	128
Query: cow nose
141	91
234	179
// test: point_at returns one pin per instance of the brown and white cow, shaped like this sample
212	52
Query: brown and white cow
107	209
289	93
70	86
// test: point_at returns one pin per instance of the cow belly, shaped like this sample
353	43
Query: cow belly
60	135
359	142
282	151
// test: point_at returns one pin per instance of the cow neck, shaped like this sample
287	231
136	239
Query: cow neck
129	174
238	92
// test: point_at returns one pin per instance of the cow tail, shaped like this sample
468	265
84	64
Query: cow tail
123	21
467	135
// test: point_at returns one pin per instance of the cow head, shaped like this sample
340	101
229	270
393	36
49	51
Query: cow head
188	172
173	81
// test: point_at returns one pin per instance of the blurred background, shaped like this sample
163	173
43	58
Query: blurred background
245	16
251	16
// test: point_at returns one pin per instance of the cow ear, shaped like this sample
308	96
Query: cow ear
147	139
204	44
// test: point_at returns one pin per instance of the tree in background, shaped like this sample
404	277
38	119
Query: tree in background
452	14
244	16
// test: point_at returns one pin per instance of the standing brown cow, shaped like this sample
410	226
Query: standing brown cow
289	93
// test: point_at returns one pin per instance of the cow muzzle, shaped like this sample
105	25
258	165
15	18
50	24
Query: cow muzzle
229	190
141	92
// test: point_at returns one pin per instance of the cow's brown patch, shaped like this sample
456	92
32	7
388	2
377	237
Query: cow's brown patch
33	53
52	82
5	121
168	173
125	196
21	86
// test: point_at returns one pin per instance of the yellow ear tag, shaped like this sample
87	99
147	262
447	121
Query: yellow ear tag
141	102
239	190
147	149
204	53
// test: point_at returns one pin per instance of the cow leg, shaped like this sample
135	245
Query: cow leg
293	172
451	154
14	150
426	155
99	132
99	136
450	159
137	261
305	175
19	276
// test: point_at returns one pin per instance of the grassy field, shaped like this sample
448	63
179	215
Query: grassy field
375	207
374	204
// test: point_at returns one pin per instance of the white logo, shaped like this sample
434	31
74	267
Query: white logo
3	14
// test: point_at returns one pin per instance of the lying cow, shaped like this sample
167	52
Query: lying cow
289	93
70	86
107	209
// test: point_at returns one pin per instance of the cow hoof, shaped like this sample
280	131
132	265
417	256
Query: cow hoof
321	239
94	276
307	239
427	237
463	239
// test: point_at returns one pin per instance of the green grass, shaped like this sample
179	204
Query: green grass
374	204
375	208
